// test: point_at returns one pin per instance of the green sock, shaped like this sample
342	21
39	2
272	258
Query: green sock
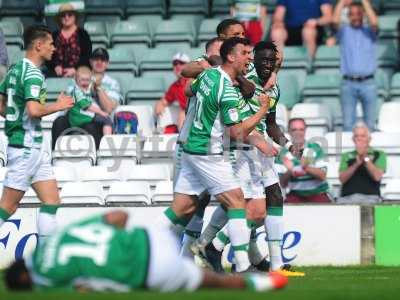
4	215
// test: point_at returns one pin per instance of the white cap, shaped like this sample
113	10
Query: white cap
181	57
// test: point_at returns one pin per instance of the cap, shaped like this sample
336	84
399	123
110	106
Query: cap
182	57
100	53
66	7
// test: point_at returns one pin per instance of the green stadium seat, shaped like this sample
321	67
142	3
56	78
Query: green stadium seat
27	10
208	29
395	87
320	85
334	106
152	21
387	55
175	31
98	32
131	32
157	59
125	81
142	88
391	6
188	7
296	58
383	84
388	26
289	87
105	7
220	7
14	54
139	50
122	60
195	52
135	7
55	86
327	58
13	32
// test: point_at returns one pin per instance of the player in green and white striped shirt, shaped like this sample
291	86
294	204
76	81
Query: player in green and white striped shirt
99	254
23	96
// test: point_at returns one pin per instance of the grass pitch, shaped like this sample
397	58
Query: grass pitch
333	283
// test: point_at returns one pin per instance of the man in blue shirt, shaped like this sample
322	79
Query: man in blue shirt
298	22
358	62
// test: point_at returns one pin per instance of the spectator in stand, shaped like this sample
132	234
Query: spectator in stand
176	92
253	15
298	22
3	56
358	62
304	172
361	170
73	44
105	92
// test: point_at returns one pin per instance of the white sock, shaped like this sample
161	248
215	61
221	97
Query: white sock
222	239
46	224
255	254
192	232
239	234
172	222
274	229
217	222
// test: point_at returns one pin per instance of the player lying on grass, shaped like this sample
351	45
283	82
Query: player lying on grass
99	254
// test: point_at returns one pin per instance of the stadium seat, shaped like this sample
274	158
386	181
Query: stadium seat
122	60
98	32
129	193
392	190
118	152
159	146
104	7
320	85
315	115
168	117
207	29
15	54
334	107
12	31
164	192
188	7
389	117
131	32
383	84
146	7
220	8
145	117
194	53
78	150
125	81
386	141
388	26
55	86
47	121
295	58
24	9
158	59
30	197
169	31
82	193
332	176
152	173
105	176
65	174
395	87
387	55
146	89
326	58
289	89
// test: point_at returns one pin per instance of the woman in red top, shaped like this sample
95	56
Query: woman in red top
73	44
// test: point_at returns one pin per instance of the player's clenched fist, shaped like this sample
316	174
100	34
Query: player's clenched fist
264	100
64	101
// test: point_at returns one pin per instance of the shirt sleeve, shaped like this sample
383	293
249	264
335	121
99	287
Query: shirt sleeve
114	92
170	94
32	87
229	106
83	103
343	162
380	162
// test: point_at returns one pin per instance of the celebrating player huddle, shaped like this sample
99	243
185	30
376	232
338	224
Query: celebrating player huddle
222	152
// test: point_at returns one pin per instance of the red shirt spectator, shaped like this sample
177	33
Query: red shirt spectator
176	92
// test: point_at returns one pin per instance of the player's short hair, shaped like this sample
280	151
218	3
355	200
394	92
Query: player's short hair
212	41
292	120
225	24
33	33
229	44
17	277
265	45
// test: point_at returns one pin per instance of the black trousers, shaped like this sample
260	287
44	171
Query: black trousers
61	126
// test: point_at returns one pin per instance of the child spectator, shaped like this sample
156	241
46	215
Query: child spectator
85	110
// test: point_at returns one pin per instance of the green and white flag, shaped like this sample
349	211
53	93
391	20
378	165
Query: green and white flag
53	6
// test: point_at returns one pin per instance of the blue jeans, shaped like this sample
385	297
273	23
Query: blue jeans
365	91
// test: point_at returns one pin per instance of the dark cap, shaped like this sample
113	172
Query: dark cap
100	53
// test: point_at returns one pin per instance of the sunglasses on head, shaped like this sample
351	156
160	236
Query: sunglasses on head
67	14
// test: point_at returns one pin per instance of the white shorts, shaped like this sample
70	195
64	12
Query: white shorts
213	173
249	174
177	161
26	166
269	174
168	271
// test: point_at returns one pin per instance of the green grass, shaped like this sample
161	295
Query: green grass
336	283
